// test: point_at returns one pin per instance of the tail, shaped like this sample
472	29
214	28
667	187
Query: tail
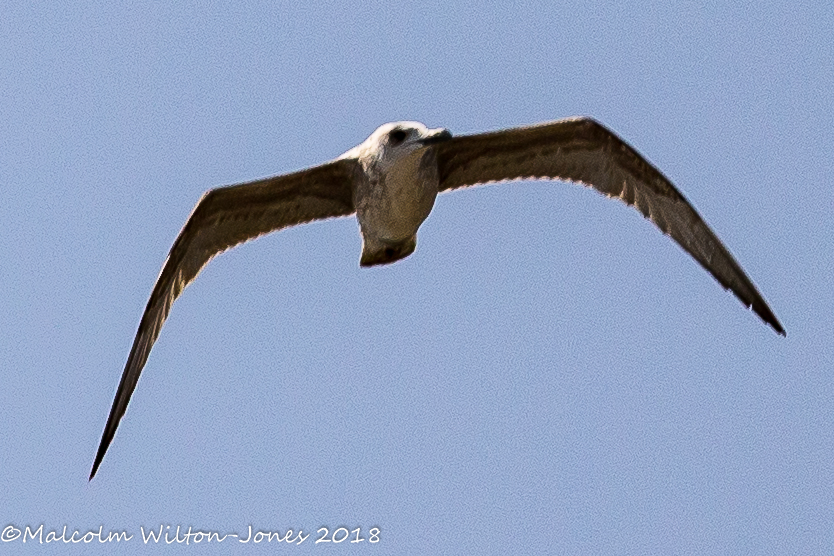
386	253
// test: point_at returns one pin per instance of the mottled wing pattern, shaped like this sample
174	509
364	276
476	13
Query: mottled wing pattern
223	218
584	151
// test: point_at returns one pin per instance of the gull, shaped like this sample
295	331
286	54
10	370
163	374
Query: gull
391	181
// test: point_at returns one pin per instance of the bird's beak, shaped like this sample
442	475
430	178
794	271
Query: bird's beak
437	136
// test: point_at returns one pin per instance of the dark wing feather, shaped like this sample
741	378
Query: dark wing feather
223	218
584	151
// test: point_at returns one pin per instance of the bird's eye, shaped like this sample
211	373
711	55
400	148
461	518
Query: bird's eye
396	137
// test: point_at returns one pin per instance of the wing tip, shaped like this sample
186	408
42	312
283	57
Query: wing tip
106	439
99	457
760	308
94	469
778	328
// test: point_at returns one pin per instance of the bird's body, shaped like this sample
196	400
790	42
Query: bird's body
391	180
393	195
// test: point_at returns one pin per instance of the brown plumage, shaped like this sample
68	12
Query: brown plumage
392	178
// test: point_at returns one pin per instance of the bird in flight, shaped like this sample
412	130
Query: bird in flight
391	180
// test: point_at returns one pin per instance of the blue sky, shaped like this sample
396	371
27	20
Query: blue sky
546	374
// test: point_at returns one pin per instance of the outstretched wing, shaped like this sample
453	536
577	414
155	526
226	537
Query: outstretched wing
223	218
584	151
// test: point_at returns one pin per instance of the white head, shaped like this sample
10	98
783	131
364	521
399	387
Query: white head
392	141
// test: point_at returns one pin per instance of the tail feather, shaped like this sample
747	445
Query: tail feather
386	253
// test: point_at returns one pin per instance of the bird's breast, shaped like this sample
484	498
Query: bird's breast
396	201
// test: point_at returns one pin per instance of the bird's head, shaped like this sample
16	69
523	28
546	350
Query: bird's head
393	141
